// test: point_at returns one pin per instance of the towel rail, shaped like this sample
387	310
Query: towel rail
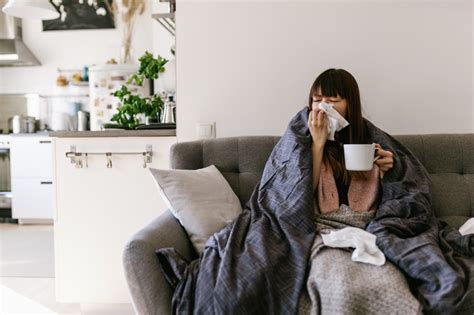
76	158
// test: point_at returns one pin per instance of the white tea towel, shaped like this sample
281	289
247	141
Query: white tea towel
336	121
366	250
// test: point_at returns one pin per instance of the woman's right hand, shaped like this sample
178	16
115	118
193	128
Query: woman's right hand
318	127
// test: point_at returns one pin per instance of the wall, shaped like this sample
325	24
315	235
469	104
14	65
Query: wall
74	49
248	65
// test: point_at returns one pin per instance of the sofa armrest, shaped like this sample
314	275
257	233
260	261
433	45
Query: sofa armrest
151	293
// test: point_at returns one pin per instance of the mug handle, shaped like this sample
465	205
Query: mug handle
376	157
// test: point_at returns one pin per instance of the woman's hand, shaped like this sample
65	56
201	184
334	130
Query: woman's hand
384	161
318	126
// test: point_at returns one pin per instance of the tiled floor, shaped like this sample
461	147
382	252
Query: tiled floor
27	275
26	250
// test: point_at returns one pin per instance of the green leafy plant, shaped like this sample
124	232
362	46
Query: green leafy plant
132	106
150	68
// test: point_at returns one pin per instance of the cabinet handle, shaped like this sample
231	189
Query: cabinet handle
46	183
45	141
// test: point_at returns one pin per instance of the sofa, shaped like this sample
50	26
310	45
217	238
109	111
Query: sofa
449	159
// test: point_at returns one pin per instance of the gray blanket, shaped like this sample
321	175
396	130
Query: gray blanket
338	285
258	263
437	259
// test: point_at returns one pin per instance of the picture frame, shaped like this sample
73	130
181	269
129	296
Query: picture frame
81	15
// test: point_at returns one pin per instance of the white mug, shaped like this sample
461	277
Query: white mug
359	157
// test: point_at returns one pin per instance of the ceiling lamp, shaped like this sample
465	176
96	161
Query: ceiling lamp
31	9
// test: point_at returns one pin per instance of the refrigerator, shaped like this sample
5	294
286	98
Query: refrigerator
104	80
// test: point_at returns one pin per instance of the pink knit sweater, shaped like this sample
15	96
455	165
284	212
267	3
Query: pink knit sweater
362	195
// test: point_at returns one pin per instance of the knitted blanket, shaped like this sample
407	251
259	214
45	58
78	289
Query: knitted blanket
338	285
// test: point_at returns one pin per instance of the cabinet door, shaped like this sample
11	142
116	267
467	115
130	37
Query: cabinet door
98	209
31	157
32	198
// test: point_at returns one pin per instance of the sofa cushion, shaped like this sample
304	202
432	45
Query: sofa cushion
449	159
201	200
240	159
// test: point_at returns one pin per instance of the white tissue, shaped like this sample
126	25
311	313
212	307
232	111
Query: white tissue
467	227
335	120
366	250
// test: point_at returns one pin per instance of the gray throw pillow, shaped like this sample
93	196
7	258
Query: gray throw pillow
202	200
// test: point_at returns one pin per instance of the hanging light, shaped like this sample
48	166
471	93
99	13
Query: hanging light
31	9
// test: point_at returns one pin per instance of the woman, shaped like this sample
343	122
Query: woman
338	88
346	199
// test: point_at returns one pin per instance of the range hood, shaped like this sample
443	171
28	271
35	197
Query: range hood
13	52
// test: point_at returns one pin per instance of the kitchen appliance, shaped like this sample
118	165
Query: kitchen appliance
104	80
61	121
62	107
168	113
13	51
22	124
5	177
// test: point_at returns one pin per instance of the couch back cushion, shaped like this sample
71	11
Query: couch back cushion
449	159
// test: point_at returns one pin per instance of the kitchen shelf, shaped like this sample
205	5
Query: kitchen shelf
167	20
63	95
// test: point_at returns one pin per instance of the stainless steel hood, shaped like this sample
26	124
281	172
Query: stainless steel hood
13	52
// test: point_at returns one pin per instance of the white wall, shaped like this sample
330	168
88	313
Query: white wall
76	48
249	65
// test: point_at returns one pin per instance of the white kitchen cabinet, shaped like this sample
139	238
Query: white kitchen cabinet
31	177
98	209
33	198
31	156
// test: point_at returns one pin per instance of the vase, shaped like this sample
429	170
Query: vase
126	51
168	78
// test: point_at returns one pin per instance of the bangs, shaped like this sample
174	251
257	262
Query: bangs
331	83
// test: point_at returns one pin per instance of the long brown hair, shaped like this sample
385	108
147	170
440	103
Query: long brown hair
333	83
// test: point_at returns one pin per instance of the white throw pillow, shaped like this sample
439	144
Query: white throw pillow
202	200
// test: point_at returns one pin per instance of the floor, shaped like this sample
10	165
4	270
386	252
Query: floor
27	275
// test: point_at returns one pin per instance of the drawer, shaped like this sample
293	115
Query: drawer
32	198
31	157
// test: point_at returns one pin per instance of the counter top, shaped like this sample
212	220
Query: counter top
114	133
35	134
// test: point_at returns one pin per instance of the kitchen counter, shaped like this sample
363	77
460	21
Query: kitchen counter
107	197
113	133
35	134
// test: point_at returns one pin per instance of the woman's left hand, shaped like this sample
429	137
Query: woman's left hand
385	160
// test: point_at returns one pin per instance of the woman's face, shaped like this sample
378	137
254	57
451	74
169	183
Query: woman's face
340	104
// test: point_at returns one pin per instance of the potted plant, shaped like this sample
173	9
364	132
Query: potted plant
133	107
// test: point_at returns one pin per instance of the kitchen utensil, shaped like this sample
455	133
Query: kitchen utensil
30	124
82	121
19	124
22	124
61	121
168	114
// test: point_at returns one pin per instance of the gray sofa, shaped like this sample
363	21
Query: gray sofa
449	158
